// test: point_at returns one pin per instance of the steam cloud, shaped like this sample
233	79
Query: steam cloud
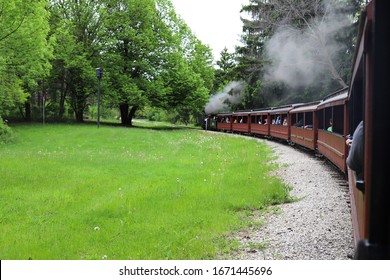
232	93
301	56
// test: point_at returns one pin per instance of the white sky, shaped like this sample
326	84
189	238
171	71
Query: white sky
216	23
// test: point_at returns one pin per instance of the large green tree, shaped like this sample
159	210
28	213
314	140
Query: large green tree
152	58
24	50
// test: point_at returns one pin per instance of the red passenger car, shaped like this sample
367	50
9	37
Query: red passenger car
224	122
332	127
280	120
241	122
304	125
260	122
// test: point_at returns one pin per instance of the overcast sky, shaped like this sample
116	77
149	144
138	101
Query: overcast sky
215	22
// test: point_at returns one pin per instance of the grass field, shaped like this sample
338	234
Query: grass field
79	192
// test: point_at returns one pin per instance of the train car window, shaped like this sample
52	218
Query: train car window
328	119
309	119
254	119
301	120
320	117
283	119
293	119
338	119
276	119
357	104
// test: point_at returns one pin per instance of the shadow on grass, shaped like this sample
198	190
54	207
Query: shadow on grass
145	125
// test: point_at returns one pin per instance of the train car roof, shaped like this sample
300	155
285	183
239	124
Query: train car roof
334	99
224	114
261	111
284	109
241	113
307	107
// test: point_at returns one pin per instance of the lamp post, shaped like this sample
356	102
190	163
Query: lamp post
99	75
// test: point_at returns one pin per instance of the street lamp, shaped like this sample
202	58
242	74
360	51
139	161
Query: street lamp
99	75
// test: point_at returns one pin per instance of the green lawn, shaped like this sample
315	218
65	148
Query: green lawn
82	192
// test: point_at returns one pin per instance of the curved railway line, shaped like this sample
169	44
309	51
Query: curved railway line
317	226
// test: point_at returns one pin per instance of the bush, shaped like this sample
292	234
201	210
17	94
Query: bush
6	134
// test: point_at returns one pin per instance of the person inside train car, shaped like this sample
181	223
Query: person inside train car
227	120
355	159
285	121
266	121
299	123
330	128
277	122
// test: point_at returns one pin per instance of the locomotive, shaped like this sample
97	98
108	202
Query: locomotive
324	125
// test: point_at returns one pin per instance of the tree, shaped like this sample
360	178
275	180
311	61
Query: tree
225	72
130	53
24	50
190	81
76	26
152	58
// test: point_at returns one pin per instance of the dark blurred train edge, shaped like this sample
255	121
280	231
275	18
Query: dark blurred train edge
369	101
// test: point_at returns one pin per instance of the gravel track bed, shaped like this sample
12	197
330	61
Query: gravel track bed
317	226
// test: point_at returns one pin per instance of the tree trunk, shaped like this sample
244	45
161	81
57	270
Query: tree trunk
61	112
27	111
124	108
79	116
132	113
126	116
62	98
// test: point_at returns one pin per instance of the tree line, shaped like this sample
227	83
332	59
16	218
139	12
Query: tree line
49	50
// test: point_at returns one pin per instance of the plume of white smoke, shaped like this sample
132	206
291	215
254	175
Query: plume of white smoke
231	94
299	57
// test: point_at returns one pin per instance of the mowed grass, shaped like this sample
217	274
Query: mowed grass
82	192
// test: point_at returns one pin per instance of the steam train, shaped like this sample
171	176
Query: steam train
323	125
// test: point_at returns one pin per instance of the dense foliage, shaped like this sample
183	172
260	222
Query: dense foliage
50	49
6	134
25	50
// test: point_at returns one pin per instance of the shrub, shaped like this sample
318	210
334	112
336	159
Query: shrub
6	134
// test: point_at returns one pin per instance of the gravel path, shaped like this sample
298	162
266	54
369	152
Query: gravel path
317	226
